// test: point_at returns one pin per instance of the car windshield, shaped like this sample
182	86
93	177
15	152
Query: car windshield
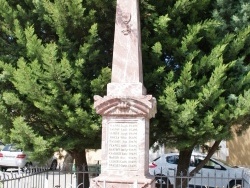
212	161
10	147
225	163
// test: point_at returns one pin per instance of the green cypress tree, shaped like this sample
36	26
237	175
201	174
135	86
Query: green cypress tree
54	58
200	72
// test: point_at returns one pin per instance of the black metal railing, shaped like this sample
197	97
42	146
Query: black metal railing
203	180
76	178
46	178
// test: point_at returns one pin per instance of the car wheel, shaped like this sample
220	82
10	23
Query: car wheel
162	182
53	165
27	167
235	184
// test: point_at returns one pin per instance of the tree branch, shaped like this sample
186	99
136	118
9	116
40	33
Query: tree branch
209	155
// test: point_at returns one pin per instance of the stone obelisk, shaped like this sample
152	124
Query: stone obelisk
127	109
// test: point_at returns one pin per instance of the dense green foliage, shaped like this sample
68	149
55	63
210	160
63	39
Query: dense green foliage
202	78
54	58
56	55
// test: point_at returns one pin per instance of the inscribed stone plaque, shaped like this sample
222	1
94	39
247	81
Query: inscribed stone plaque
123	145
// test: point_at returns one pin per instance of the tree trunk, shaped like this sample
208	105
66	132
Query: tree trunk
184	162
81	166
183	166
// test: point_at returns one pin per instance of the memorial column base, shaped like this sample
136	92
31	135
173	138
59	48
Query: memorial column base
122	182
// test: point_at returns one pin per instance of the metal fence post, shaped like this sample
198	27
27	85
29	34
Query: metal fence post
46	183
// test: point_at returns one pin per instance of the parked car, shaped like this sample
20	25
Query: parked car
51	163
214	173
13	157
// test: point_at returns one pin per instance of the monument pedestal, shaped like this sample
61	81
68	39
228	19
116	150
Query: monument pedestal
125	141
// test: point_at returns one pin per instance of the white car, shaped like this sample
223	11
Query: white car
214	173
13	157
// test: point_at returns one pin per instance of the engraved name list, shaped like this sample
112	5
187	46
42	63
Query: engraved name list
122	146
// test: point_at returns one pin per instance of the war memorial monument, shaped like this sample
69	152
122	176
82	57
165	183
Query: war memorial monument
126	110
